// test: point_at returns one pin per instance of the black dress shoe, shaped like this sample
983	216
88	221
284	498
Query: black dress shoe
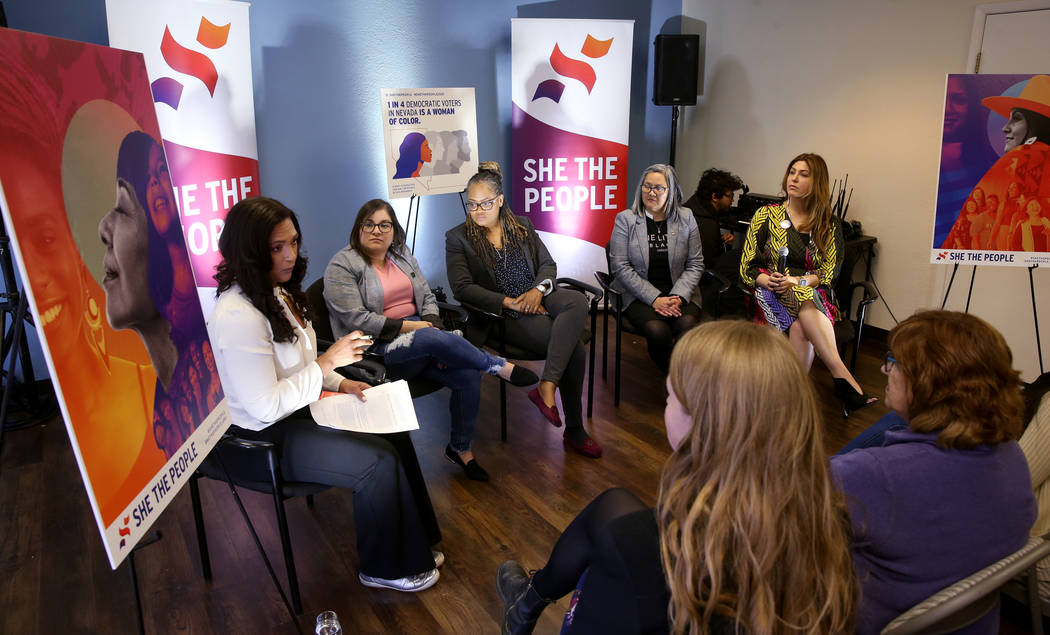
472	469
521	376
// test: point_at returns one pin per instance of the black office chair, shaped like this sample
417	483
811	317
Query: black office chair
417	386
615	298
848	328
497	341
253	465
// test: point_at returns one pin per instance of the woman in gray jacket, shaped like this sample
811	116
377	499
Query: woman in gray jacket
655	259
374	285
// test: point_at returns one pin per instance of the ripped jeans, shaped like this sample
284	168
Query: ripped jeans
449	360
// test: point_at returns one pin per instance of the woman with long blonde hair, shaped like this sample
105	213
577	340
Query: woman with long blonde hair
748	534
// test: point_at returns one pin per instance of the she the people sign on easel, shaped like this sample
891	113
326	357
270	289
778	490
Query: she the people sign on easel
86	196
431	140
993	196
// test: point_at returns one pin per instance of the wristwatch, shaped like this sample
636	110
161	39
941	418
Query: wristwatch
542	287
803	281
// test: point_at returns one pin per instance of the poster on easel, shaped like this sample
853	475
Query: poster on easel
430	136
993	195
87	201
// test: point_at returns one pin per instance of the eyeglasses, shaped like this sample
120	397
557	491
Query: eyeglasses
659	189
485	205
384	227
727	195
889	362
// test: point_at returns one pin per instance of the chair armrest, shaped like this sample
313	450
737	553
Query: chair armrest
459	313
232	439
471	307
582	287
724	283
870	294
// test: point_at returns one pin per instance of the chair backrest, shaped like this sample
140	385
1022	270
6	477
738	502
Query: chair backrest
322	324
969	599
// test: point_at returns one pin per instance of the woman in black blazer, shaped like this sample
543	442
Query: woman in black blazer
497	263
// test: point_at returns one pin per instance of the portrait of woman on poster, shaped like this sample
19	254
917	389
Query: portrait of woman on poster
413	153
146	264
1026	149
115	443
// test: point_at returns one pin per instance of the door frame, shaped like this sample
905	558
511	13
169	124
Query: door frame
980	15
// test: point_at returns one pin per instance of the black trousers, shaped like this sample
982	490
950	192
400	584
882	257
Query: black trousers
661	332
393	515
557	337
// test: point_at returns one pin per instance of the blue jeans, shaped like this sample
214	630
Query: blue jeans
875	434
449	360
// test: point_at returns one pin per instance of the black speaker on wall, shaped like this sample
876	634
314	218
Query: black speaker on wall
676	68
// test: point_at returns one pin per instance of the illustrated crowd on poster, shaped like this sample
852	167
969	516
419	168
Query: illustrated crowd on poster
994	193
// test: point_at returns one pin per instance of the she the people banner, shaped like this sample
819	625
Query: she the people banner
198	56
431	140
86	197
571	87
993	196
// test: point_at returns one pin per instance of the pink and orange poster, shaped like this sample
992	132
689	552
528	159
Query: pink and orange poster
993	196
87	199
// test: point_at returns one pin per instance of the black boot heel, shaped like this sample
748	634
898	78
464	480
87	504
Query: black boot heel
521	602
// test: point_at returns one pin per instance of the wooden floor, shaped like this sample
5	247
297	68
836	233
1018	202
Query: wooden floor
54	576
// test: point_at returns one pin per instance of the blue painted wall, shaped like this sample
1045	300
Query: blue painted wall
318	67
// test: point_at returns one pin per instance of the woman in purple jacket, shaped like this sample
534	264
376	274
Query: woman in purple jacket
950	493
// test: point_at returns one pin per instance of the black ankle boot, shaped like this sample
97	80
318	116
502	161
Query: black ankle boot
521	603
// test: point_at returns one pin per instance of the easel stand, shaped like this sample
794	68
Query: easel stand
145	542
1031	288
413	219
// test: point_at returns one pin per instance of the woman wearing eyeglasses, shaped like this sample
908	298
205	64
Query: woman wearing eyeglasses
374	285
654	254
497	263
948	492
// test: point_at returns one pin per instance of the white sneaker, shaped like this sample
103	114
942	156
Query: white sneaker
408	584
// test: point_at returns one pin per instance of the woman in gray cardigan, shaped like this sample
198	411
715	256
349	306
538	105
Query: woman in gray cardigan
375	286
656	262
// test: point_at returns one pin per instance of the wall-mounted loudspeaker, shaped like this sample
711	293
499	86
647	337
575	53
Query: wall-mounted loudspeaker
677	66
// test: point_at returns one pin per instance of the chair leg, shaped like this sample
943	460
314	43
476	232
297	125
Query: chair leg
503	411
619	339
198	520
1034	602
605	337
310	501
590	366
289	561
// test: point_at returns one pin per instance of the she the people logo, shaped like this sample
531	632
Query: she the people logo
579	70
168	90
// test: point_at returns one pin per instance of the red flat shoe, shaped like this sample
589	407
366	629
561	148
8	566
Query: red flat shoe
550	414
589	448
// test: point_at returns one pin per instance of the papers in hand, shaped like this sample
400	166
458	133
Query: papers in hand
388	409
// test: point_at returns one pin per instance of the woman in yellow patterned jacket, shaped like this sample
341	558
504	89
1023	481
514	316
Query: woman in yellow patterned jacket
792	255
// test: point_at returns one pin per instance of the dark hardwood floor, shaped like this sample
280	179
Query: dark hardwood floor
54	576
